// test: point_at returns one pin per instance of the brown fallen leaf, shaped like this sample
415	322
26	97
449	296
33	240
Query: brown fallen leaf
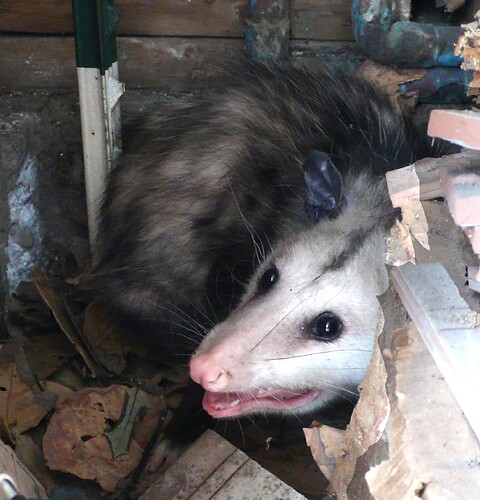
48	353
75	439
61	392
20	407
54	299
104	338
32	457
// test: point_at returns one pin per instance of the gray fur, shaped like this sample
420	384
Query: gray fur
211	182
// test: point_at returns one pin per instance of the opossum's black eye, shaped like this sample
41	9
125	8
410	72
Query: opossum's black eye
268	279
326	326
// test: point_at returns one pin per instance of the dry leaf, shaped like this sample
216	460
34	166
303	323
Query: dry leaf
120	436
32	457
54	299
48	353
20	407
60	391
75	440
104	338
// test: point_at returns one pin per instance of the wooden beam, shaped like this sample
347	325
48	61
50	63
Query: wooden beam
145	62
450	330
214	468
321	19
311	19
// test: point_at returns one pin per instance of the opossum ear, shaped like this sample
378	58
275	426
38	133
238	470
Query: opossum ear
323	190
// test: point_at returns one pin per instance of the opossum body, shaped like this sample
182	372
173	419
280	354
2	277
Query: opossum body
210	183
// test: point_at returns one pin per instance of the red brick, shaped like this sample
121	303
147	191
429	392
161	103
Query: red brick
462	188
459	127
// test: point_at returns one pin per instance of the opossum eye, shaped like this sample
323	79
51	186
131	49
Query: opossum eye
268	279
326	326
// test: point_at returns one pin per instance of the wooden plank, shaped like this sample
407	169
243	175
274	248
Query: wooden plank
142	17
321	19
448	327
311	19
213	468
145	62
178	64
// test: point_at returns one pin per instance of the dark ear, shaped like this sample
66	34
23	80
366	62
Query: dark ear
323	185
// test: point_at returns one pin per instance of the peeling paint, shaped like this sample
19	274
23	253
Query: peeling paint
24	238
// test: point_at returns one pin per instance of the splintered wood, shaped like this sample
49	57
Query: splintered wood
427	448
457	177
449	328
431	452
212	468
335	451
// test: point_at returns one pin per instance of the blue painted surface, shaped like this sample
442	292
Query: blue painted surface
385	39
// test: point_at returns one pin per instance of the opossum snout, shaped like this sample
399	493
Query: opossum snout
207	370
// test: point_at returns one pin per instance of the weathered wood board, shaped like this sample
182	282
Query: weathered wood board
311	19
450	329
212	468
165	63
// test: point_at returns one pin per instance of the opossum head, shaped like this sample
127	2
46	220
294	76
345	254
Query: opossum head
304	331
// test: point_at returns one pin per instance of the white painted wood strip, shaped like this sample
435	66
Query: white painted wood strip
100	117
94	139
214	468
448	327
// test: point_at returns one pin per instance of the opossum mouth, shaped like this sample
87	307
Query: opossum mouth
229	404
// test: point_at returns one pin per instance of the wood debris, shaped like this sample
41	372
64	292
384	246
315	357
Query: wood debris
389	79
468	47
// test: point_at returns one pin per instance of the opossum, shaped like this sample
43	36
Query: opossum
276	173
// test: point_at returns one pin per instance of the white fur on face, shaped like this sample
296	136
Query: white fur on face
266	343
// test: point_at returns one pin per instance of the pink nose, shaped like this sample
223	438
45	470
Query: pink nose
206	369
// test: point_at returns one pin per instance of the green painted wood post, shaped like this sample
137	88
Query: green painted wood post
100	91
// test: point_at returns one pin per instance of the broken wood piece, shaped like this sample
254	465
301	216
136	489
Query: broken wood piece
337	452
449	328
461	186
431	451
215	470
461	127
24	481
420	180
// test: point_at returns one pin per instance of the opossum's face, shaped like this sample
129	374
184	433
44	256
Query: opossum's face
303	333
